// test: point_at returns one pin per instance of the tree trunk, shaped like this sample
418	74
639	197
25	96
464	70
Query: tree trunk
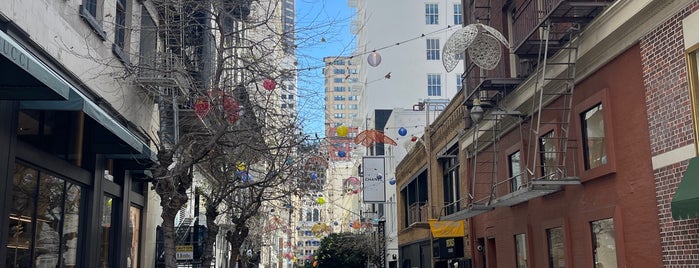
169	239
211	233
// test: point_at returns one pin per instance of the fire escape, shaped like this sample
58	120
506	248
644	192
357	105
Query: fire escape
545	35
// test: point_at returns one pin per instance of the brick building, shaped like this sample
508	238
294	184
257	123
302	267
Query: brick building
576	157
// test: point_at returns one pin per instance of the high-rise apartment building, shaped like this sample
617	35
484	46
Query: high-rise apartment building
341	104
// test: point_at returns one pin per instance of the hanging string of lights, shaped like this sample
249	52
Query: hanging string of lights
373	51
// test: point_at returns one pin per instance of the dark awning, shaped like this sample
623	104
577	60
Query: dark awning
24	77
685	204
79	102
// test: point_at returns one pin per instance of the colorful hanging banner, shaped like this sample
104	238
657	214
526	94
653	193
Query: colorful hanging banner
443	229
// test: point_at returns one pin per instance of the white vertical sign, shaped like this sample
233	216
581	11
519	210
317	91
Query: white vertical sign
374	180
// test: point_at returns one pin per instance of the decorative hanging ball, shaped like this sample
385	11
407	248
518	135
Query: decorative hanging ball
342	131
202	107
241	166
320	200
392	181
374	59
379	177
413	139
314	175
269	84
341	153
402	131
335	223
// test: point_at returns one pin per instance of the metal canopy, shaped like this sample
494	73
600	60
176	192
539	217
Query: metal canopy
78	102
25	77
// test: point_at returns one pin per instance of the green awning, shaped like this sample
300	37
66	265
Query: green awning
24	77
79	102
685	203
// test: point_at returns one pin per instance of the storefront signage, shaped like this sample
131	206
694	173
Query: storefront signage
184	252
374	180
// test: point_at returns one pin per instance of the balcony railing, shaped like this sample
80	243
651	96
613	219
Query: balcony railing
563	16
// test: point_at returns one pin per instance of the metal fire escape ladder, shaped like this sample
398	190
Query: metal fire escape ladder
553	95
481	11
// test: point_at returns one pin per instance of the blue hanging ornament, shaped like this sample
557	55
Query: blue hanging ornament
392	181
402	131
314	175
341	153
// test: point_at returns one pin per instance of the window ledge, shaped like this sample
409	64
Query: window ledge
119	53
93	23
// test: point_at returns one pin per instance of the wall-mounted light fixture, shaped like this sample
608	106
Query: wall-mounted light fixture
476	111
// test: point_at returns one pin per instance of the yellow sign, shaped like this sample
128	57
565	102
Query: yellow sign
443	229
184	252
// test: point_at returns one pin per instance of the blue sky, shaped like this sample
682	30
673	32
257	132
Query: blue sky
322	30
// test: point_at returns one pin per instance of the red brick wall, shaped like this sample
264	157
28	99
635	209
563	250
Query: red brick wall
670	127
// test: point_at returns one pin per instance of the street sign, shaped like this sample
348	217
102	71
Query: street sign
184	252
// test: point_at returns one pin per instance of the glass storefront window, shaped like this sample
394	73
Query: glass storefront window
557	255
43	220
134	233
603	243
107	232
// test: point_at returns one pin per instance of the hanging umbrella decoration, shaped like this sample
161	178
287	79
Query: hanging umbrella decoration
321	228
352	185
481	41
368	137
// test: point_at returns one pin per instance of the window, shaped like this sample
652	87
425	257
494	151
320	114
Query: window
339	89
459	82
316	215
593	137
309	215
339	115
108	233
339	97
339	62
91	12
120	23
432	49
121	36
353	71
521	250
458	15
450	165
148	45
134	234
283	96
603	243
693	72
434	85
353	97
514	161
339	106
338	71
431	14
44	219
547	147
354	80
352	116
556	250
353	106
284	105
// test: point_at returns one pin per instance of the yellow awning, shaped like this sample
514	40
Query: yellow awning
443	229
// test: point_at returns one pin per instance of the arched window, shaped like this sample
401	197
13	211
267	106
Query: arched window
308	215
316	214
